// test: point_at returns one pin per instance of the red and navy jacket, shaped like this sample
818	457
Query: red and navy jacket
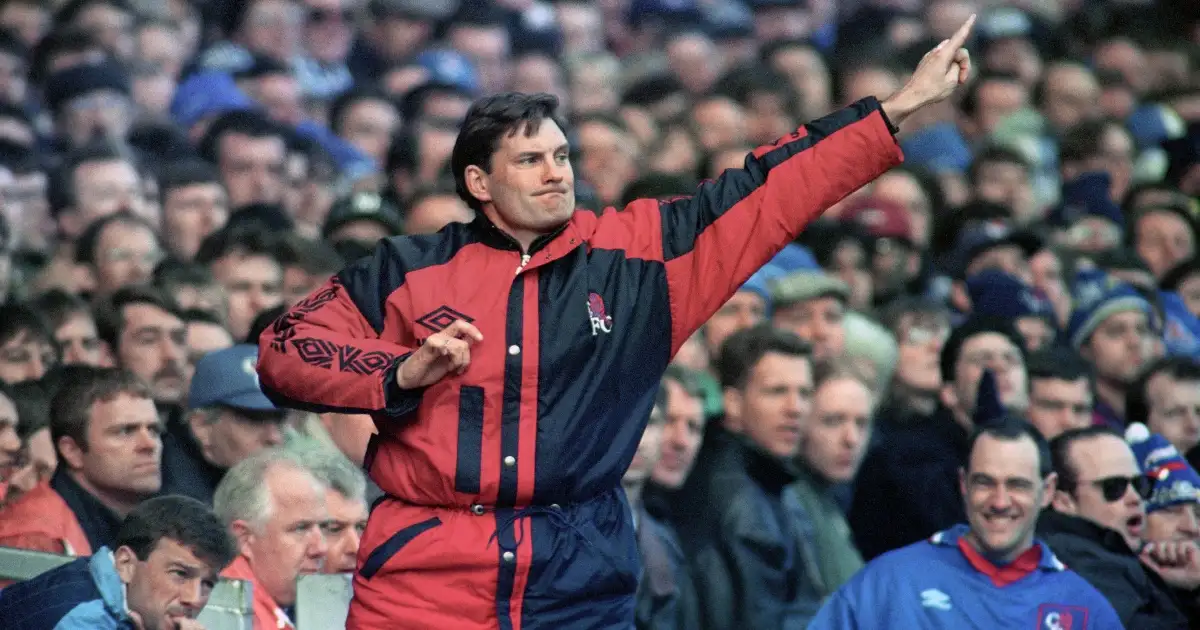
577	331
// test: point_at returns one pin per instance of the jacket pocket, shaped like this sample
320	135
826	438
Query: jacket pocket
470	440
393	545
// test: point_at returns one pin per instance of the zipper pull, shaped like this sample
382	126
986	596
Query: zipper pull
524	261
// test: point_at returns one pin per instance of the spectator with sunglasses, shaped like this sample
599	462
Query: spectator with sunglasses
1095	525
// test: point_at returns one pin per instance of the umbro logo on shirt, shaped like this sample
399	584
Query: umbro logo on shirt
933	598
441	317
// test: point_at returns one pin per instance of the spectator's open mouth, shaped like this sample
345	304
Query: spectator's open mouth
1134	524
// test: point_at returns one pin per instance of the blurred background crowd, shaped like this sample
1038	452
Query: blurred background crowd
175	173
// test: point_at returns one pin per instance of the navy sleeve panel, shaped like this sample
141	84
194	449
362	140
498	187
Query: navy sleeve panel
713	241
325	354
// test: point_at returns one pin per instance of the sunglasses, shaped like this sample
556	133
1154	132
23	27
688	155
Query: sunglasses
1113	488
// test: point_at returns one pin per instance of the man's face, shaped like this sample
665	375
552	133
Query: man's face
29	20
902	188
682	432
1120	347
252	168
1179	522
228	436
591	90
991	351
124	449
25	357
1189	291
433	213
996	100
203	338
104	188
743	310
347	520
206	297
272	28
101	113
1164	240
327	30
1006	183
1056	405
719	123
818	321
369	125
10	442
80	342
646	457
582	27
693	58
1035	331
531	184
279	95
161	47
299	284
772	407
870	81
170	585
126	254
253	283
1071	96
1174	410
290	542
1095	460
488	48
191	213
151	346
1004	493
918	366
835	438
607	159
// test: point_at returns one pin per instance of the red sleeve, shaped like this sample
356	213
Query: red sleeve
325	353
714	240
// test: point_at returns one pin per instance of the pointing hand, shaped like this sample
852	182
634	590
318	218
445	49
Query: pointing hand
442	352
940	72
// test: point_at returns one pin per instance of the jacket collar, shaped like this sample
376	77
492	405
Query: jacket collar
766	470
99	523
1054	522
950	538
103	570
489	234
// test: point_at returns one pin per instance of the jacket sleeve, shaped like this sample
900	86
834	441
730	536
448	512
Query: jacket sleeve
714	240
325	353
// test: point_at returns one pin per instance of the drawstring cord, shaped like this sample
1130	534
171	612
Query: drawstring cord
554	514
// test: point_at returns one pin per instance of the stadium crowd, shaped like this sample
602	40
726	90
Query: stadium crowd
986	363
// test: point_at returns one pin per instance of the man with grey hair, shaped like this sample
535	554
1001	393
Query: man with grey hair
345	500
274	506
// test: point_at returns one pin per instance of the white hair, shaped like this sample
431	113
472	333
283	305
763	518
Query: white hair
331	468
243	494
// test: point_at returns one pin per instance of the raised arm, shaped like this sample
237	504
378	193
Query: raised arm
713	241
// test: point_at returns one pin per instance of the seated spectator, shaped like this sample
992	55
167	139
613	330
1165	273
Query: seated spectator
345	499
27	349
748	306
158	573
434	206
275	509
147	336
812	305
1166	398
994	293
871	352
194	205
365	218
245	261
249	151
205	334
906	489
106	430
1060	391
991	568
74	329
119	250
307	264
682	433
665	596
192	286
228	420
921	328
1096	525
732	518
32	515
833	441
1171	509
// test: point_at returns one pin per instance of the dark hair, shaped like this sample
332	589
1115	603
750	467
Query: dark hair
81	388
652	90
184	173
201	316
996	154
487	121
244	122
250	238
976	325
1058	363
183	520
1068	476
57	306
918	309
33	407
17	318
61	189
263	321
342	104
12	45
172	274
745	348
1179	273
1176	368
58	41
89	240
1082	141
110	315
314	257
1011	428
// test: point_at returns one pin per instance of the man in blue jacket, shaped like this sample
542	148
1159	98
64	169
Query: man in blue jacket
949	580
168	554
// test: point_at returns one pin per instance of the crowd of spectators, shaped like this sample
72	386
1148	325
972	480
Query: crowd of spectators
176	173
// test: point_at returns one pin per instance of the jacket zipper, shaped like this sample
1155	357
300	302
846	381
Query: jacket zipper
524	261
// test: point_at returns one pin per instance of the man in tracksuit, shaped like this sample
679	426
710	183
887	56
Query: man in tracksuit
510	363
991	572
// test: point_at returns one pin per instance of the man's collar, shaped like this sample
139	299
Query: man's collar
951	537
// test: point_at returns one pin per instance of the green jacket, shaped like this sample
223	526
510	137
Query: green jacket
830	556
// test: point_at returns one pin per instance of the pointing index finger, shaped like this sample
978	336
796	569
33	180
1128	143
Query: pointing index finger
960	36
462	329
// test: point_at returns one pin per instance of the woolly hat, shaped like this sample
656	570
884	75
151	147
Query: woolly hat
1175	481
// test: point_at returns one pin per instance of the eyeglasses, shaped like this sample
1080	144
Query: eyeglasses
1113	488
